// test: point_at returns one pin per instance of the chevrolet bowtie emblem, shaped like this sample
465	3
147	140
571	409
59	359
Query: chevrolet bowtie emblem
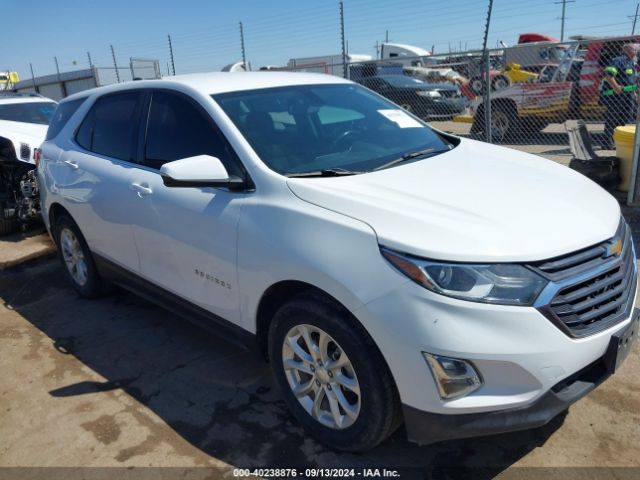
615	248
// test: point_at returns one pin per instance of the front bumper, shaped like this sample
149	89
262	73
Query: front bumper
426	427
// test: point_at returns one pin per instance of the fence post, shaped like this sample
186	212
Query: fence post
115	64
244	55
344	51
633	196
133	73
63	87
486	101
33	78
173	65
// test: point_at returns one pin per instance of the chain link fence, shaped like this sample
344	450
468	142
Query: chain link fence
138	69
538	92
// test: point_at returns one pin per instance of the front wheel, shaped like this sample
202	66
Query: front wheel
331	374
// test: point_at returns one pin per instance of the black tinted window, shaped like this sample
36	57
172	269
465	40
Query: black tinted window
111	126
178	129
30	112
61	116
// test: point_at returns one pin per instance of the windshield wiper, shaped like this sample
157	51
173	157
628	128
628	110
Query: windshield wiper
426	153
328	172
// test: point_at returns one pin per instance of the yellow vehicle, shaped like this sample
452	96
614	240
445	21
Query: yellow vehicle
504	78
8	80
517	74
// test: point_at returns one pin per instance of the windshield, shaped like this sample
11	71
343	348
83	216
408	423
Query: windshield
31	112
308	128
402	81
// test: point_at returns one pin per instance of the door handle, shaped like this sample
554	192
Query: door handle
142	189
73	165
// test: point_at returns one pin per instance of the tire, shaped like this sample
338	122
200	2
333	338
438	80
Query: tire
375	408
6	226
73	251
500	82
477	85
504	121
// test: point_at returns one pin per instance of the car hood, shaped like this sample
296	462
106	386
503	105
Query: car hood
32	134
475	203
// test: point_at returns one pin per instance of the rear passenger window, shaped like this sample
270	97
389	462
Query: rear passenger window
61	116
178	129
111	126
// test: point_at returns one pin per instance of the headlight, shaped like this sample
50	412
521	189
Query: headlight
500	283
428	93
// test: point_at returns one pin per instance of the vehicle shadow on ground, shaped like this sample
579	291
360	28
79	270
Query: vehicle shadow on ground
216	396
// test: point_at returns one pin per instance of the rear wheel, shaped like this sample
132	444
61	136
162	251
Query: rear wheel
76	259
331	374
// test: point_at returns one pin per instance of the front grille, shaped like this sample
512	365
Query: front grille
25	152
594	289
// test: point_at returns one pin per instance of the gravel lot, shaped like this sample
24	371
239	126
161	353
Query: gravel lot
118	382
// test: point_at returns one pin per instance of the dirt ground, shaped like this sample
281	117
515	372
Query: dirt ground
120	382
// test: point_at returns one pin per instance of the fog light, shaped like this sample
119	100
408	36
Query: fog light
454	377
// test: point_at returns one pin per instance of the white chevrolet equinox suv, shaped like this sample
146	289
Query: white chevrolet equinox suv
389	272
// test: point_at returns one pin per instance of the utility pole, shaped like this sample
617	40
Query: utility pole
486	101
635	17
57	67
244	55
377	50
342	40
90	61
564	10
115	64
173	65
386	36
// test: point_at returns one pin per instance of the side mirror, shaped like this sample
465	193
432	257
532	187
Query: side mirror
198	171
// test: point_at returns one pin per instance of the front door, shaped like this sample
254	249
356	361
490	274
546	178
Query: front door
186	237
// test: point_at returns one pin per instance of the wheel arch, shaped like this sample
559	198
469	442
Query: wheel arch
56	210
273	298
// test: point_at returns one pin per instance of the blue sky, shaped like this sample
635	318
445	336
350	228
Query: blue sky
205	34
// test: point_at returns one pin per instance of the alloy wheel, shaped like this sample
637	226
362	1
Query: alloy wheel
73	256
321	376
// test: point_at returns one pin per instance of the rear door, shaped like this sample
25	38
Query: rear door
96	186
186	236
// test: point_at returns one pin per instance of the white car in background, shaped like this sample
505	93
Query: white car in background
390	272
24	120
